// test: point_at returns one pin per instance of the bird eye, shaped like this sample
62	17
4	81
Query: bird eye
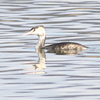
32	29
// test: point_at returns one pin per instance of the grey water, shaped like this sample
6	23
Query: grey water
68	76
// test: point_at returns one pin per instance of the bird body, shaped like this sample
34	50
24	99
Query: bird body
65	46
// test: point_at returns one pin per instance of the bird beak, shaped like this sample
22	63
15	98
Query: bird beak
28	33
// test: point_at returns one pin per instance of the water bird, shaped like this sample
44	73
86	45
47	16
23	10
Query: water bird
40	32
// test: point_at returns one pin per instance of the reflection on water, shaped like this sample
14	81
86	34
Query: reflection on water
27	75
41	62
40	65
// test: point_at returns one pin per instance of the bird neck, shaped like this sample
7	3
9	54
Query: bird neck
41	42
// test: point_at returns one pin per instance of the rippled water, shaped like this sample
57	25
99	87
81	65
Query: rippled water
59	77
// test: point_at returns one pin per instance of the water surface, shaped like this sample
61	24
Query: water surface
60	77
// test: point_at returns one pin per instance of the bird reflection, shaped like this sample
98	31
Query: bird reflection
39	66
41	61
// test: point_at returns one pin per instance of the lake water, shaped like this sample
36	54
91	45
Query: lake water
70	76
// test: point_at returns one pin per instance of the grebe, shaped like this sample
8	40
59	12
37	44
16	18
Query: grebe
40	32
